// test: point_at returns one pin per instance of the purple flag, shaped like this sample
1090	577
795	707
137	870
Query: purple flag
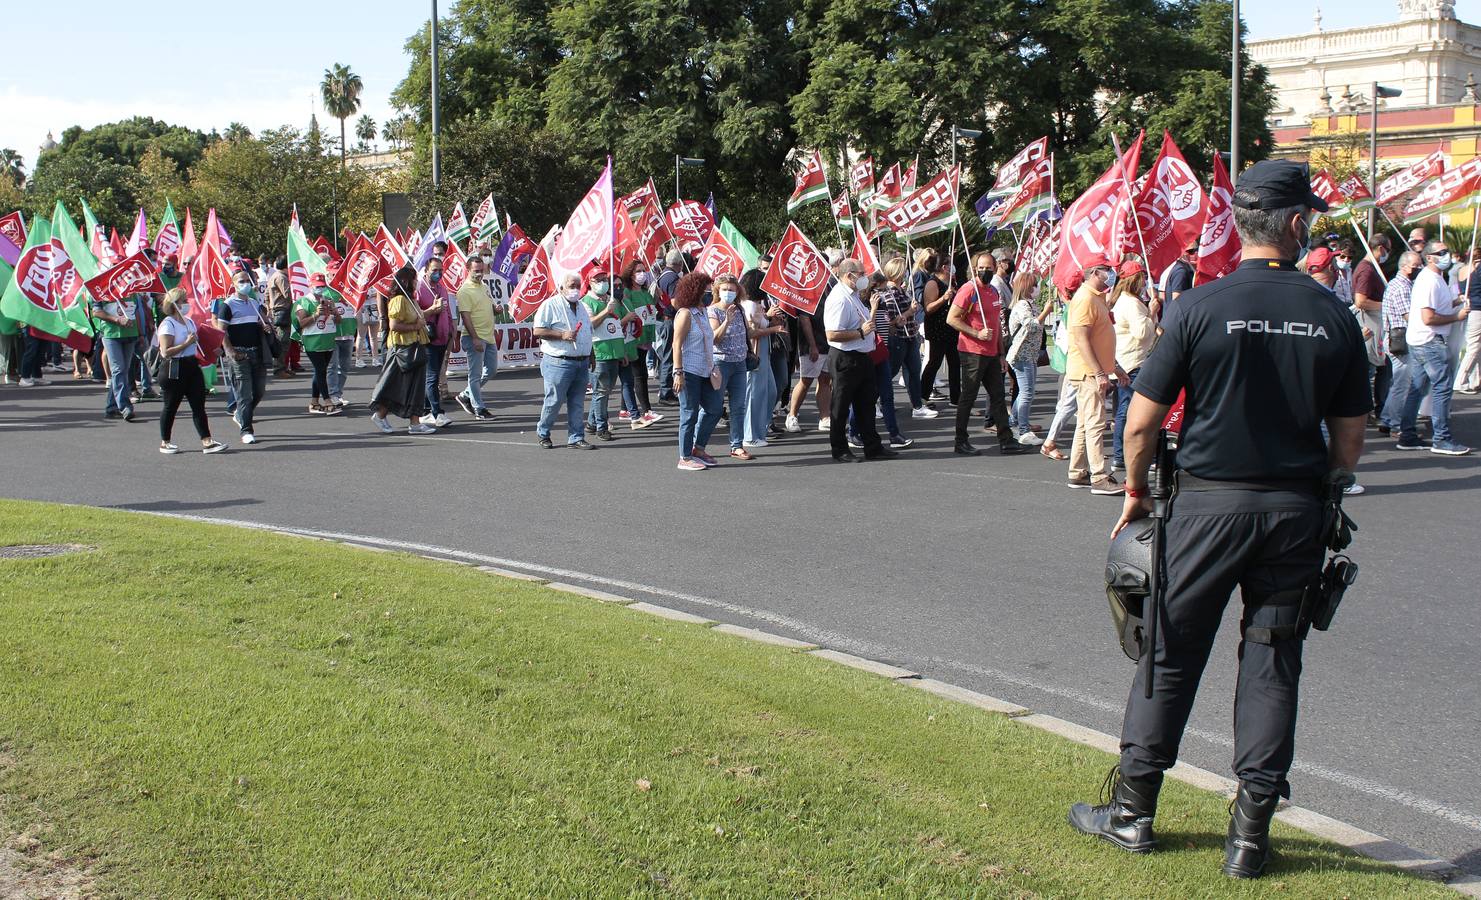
433	234
505	265
9	251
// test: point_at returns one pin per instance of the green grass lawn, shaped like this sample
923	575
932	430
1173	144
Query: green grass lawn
204	711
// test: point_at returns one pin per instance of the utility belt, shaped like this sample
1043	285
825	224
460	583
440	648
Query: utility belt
1186	481
1317	601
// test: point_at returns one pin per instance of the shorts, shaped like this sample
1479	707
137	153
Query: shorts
809	369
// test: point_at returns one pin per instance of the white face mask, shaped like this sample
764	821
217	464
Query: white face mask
727	296
640	279
572	294
861	283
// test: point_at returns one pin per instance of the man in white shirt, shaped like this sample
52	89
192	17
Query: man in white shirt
850	328
1432	310
563	326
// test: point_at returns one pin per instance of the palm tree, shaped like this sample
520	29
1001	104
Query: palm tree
236	131
365	129
341	91
13	166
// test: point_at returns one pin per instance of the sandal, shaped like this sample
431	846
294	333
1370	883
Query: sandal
741	453
1053	452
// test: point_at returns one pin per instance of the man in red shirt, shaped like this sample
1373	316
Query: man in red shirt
977	315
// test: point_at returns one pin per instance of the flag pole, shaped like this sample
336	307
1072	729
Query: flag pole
836	227
1399	234
1366	247
1475	222
1131	202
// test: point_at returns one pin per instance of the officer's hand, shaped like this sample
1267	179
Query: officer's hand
1133	509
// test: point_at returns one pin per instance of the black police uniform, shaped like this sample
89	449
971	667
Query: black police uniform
1264	355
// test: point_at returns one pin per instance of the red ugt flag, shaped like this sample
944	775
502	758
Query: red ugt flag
1170	207
362	268
719	257
536	285
588	232
798	272
132	275
1219	248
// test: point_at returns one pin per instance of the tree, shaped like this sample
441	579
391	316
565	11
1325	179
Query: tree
12	167
236	131
111	188
397	132
341	92
160	181
365	130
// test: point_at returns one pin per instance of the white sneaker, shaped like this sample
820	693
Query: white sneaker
1029	439
793	426
341	402
878	411
1352	490
756	444
923	412
825	424
27	382
441	420
249	438
382	424
421	428
169	449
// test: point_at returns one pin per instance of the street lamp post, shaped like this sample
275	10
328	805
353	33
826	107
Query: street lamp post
957	134
1234	78
689	162
1379	91
436	117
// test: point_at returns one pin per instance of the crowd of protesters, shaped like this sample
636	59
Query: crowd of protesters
617	347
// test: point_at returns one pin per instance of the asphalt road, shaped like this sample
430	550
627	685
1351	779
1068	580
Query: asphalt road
984	572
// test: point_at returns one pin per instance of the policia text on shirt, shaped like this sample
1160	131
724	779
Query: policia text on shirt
1264	358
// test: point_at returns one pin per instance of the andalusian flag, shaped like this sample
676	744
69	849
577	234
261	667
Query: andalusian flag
748	253
457	225
167	241
303	261
485	222
812	183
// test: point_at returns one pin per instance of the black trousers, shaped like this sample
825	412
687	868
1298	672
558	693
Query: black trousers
189	386
1383	379
984	371
853	389
1266	543
942	349
319	359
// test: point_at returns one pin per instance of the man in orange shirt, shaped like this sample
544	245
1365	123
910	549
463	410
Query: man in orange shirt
1090	365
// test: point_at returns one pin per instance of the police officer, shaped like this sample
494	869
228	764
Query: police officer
1265	357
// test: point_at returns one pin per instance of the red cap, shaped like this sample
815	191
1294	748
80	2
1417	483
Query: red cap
1129	268
1073	283
1319	259
316	279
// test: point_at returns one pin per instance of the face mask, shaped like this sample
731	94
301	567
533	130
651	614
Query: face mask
1410	273
435	277
640	279
1110	280
1382	258
727	296
244	289
1342	264
487	257
572	294
985	274
1443	262
169	270
600	288
320	292
861	283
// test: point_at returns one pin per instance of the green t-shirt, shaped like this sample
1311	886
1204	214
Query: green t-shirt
113	330
348	324
170	281
606	336
320	332
642	303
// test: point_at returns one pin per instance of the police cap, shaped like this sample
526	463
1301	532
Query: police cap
1276	184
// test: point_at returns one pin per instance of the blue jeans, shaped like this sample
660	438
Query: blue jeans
248	380
31	355
481	367
732	392
905	354
1398	390
1018	414
565	382
339	366
1430	371
625	375
601	394
1123	403
760	395
120	361
781	375
435	353
663	347
699	410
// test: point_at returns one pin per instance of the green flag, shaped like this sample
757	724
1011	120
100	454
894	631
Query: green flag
748	253
77	302
91	221
28	295
7	324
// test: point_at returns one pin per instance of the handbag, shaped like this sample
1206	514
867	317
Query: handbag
881	352
753	360
1398	340
410	356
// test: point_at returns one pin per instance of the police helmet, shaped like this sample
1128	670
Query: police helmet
1129	583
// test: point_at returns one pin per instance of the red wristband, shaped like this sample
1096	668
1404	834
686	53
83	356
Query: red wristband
1138	493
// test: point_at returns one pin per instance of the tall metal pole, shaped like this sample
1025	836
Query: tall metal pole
677	198
1234	77
1372	155
436	115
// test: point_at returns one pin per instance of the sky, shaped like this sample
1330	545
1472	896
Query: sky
190	63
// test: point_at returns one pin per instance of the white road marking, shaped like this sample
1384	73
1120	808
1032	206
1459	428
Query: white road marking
427	437
825	636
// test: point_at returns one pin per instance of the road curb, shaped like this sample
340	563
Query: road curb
592	593
763	637
866	665
665	612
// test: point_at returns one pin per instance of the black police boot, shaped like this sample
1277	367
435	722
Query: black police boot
1247	848
1125	819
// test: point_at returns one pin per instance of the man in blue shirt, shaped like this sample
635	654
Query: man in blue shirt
563	326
